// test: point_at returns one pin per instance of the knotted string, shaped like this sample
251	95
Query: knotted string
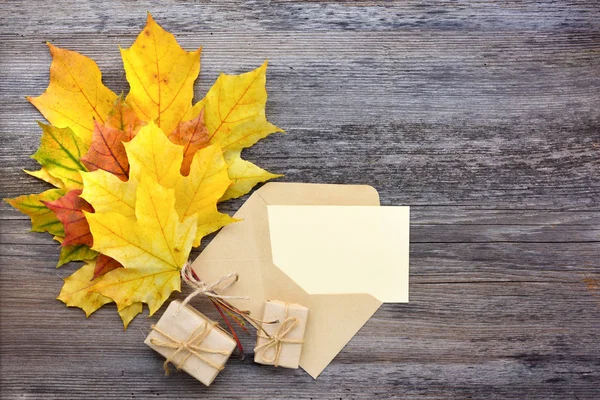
201	288
192	346
276	340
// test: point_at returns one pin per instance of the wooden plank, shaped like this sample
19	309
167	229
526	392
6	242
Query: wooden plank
115	17
16	233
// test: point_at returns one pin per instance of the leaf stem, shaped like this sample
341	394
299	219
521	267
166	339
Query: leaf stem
235	336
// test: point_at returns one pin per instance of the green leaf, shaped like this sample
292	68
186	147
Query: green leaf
42	218
59	153
78	252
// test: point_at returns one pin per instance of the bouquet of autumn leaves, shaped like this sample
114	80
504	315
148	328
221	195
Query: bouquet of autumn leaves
137	180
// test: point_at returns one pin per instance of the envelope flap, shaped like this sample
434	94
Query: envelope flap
238	241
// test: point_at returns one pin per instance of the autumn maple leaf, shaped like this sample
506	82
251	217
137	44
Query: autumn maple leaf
161	76
152	261
76	96
59	153
107	152
234	115
117	227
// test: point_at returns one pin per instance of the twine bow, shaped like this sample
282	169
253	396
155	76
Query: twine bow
276	340
192	346
201	288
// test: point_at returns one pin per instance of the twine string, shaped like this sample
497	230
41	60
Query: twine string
192	346
209	290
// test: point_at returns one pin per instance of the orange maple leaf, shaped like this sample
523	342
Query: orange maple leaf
193	136
107	151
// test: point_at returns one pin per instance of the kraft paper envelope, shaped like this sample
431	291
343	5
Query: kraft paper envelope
302	243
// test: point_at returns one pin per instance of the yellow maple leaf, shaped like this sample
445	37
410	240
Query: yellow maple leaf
75	95
234	115
152	153
155	239
244	175
44	175
152	248
161	76
107	193
199	192
234	110
78	292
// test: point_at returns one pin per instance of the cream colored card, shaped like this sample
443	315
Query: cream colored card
343	249
245	247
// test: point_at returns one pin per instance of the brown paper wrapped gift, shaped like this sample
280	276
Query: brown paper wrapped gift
191	342
281	343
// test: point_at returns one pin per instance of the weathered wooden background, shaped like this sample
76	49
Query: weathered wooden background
482	115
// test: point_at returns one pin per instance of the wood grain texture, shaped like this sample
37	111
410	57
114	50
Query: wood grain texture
484	116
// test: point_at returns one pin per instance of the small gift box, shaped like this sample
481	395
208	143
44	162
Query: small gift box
280	344
191	342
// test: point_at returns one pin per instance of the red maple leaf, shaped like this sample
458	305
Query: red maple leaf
69	210
105	264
